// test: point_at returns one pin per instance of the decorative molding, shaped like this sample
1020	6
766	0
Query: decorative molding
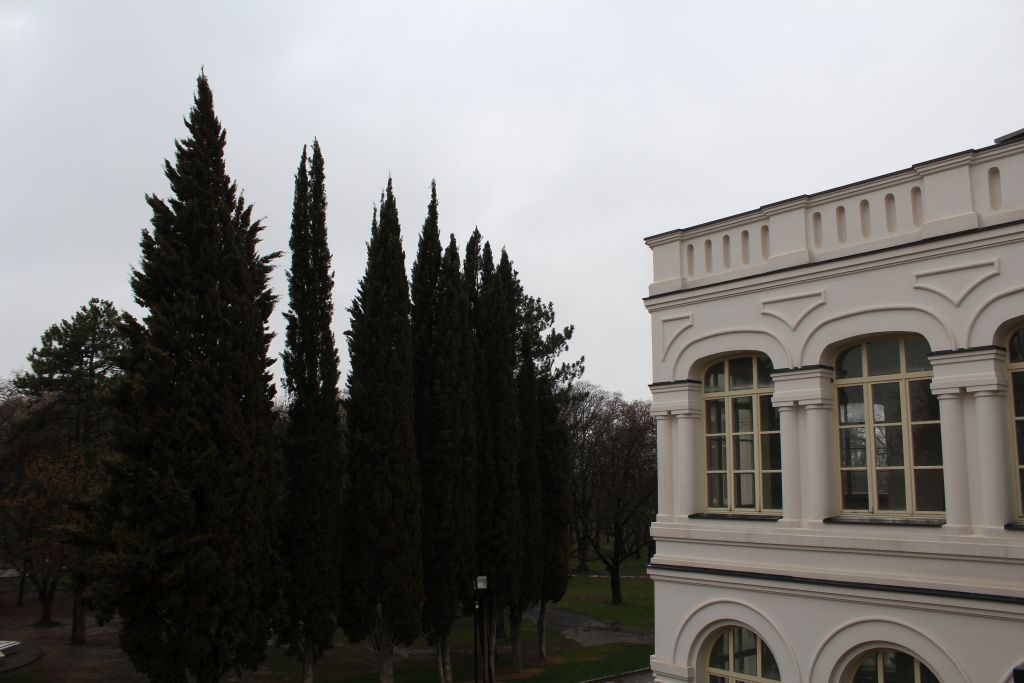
984	306
671	328
794	308
891	308
955	283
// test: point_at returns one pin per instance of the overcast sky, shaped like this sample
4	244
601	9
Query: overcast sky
567	131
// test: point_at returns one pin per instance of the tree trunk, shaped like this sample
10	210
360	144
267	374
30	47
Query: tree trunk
307	663
444	660
46	590
582	548
515	626
614	570
78	620
384	645
542	648
493	616
21	583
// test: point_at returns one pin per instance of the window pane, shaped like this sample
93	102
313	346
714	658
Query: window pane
928	491
889	446
769	415
1020	482
717	495
868	670
1018	394
714	379
883	357
714	414
892	492
719	658
852	450
716	453
745	490
771	490
771	452
927	676
764	371
743	452
851	405
923	404
718	679
1017	347
769	667
741	373
746	652
848	364
885	402
927	444
1019	426
917	354
899	667
743	414
855	490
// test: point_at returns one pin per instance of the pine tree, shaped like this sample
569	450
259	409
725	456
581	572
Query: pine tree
190	564
312	450
499	544
382	572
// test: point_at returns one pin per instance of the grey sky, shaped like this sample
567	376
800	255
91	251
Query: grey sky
567	131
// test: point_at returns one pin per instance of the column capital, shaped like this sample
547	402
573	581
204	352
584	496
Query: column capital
803	386
971	370
678	397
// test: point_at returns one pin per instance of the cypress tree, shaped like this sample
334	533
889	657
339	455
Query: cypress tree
499	544
312	450
190	563
382	572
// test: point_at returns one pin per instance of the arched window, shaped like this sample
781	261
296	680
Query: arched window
1017	387
743	452
890	445
891	666
739	656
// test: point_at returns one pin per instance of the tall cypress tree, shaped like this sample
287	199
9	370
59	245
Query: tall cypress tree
499	545
190	563
382	572
312	450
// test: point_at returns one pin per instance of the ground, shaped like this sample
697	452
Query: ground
590	640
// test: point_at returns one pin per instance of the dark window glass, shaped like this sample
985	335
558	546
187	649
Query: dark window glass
769	415
1020	444
719	658
885	402
928	490
743	452
769	668
764	371
1018	394
927	676
741	373
867	672
855	490
714	415
714	379
899	667
927	444
852	449
1017	347
851	405
716	452
849	364
745	491
717	495
883	357
923	404
771	485
771	451
892	490
888	446
917	354
745	652
743	414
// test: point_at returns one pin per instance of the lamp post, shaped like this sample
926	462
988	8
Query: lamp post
479	655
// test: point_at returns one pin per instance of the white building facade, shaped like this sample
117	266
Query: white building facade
839	393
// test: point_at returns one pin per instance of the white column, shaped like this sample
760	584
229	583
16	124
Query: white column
688	467
819	462
954	460
789	427
992	467
665	474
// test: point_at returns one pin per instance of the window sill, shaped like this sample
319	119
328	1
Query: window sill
730	515
886	521
1014	526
